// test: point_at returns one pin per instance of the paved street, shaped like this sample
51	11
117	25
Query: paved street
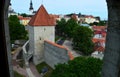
68	44
17	51
23	71
16	66
34	70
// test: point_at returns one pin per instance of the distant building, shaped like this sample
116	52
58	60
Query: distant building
55	17
11	11
67	17
31	9
75	17
99	41
81	19
87	19
24	20
98	48
90	19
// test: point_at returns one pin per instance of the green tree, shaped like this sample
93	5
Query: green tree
17	31
98	18
101	23
82	39
24	15
94	23
60	27
69	27
79	67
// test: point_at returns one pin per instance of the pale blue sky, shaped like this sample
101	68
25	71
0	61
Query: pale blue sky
88	7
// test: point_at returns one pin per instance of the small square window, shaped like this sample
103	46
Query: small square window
44	29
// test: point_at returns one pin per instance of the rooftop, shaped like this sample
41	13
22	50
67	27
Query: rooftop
42	18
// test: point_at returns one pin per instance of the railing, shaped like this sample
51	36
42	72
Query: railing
26	54
24	47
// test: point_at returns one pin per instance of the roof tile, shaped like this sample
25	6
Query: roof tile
42	18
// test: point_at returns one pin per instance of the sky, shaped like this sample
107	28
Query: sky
87	7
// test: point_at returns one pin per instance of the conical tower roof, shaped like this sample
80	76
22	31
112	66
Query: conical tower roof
42	18
31	5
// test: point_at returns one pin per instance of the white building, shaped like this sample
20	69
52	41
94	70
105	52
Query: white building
41	27
11	11
90	19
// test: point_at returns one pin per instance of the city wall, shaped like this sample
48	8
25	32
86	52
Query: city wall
54	54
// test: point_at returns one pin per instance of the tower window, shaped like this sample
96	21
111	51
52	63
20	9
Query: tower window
44	29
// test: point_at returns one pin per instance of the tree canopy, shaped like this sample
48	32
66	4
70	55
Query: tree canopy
24	15
69	27
60	27
17	31
101	23
82	39
79	67
65	28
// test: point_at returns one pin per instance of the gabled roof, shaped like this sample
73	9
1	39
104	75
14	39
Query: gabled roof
42	18
24	18
101	40
74	17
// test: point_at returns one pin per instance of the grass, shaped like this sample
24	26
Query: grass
40	67
16	74
57	38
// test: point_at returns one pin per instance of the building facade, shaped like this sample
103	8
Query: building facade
41	28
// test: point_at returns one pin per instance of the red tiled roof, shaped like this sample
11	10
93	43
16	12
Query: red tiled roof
100	49
99	28
98	40
42	18
20	16
60	46
97	32
70	55
103	34
74	17
55	44
89	16
54	16
24	18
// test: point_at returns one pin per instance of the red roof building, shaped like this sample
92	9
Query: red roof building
99	44
42	18
74	17
99	28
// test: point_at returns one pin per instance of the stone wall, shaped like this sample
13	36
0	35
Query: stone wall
37	35
54	54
